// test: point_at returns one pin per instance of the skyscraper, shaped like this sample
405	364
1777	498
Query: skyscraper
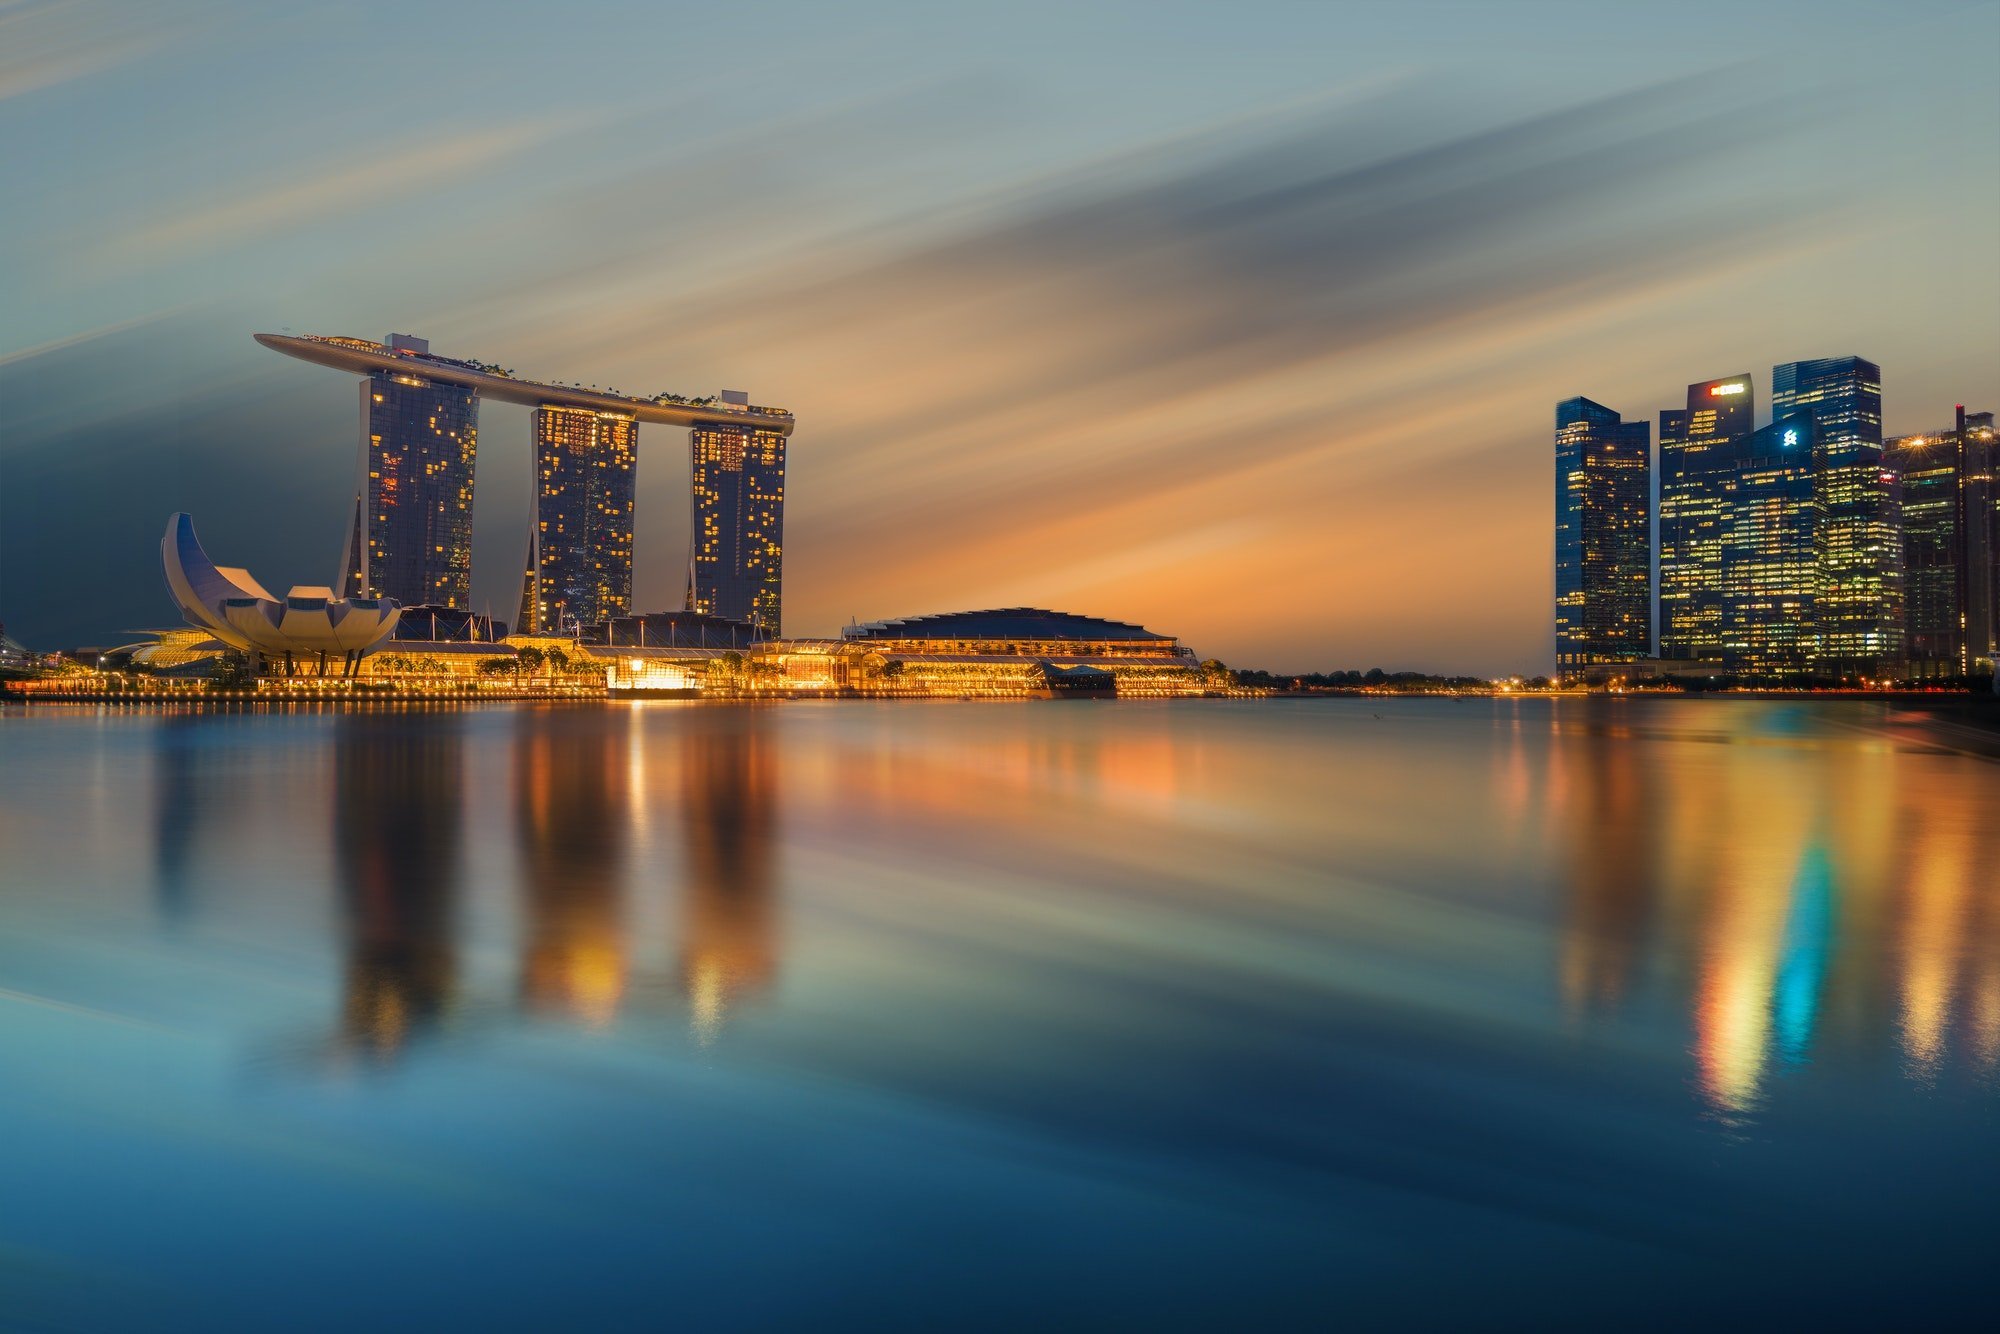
736	560
581	561
1604	569
1948	546
1699	450
411	535
1979	590
1768	561
1860	595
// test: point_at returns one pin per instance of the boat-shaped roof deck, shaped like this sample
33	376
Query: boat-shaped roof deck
362	356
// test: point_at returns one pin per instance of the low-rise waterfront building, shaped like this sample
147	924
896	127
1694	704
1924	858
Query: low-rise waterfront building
1015	650
437	624
671	629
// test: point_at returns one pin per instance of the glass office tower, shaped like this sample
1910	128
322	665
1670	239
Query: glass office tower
411	535
1769	556
1948	550
581	555
1604	565
1980	572
1860	599
736	561
1699	450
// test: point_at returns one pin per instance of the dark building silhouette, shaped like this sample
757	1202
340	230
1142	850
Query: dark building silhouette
670	629
1603	556
736	560
1948	547
1699	450
438	624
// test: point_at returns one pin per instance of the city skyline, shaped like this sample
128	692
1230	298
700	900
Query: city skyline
1364	649
1035	313
1782	552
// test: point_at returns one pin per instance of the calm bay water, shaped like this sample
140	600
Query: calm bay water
1317	1012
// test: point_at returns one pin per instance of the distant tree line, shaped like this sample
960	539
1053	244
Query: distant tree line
1374	679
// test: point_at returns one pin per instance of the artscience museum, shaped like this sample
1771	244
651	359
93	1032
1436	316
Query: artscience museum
309	625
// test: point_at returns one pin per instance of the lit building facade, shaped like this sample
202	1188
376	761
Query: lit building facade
1980	590
1948	550
1604	550
1768	558
1700	449
581	559
736	561
410	537
1019	651
1860	594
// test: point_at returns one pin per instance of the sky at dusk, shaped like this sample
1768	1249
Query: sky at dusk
1245	322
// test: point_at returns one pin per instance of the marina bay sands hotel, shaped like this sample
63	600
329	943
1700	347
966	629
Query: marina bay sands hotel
411	534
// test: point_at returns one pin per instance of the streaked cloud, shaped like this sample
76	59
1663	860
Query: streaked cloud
78	340
332	191
1321	335
44	43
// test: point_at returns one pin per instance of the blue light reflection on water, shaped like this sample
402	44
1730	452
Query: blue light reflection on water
1418	1011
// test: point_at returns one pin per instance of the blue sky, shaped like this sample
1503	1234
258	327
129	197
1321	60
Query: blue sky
1243	321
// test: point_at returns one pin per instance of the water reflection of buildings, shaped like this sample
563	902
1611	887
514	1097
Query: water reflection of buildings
1946	923
729	945
1800	892
580	778
571	798
581	790
1615	874
188	791
397	831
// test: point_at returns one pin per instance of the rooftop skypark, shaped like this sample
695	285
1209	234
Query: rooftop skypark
362	356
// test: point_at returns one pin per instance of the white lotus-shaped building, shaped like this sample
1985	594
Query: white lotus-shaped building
235	608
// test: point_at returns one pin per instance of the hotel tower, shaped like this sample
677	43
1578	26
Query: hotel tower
736	555
410	534
581	562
